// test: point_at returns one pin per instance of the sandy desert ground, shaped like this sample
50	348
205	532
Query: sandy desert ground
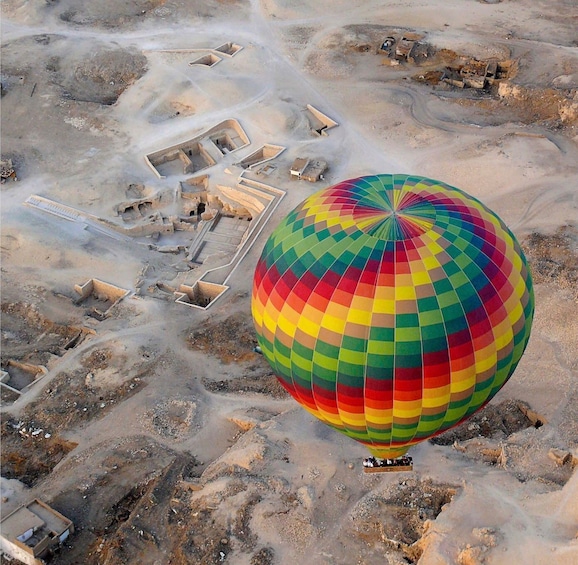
165	437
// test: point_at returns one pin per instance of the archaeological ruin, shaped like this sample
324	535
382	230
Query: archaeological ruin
200	152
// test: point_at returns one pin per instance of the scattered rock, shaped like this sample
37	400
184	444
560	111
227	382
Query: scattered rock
562	457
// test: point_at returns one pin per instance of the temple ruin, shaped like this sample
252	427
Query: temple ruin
220	235
99	297
200	152
207	221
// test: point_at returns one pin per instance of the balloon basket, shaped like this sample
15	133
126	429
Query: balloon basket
374	465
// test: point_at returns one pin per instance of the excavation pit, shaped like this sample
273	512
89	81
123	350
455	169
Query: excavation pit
319	122
209	60
21	375
99	297
265	153
229	49
201	294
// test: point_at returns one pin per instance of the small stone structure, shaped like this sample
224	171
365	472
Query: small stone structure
8	394
476	74
320	122
314	171
213	56
194	184
403	48
406	47
298	167
145	205
95	292
193	195
308	169
33	531
229	49
200	152
265	153
201	294
18	376
472	73
208	60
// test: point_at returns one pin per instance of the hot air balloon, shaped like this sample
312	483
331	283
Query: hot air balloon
392	308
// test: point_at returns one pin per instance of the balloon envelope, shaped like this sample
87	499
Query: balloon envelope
392	307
